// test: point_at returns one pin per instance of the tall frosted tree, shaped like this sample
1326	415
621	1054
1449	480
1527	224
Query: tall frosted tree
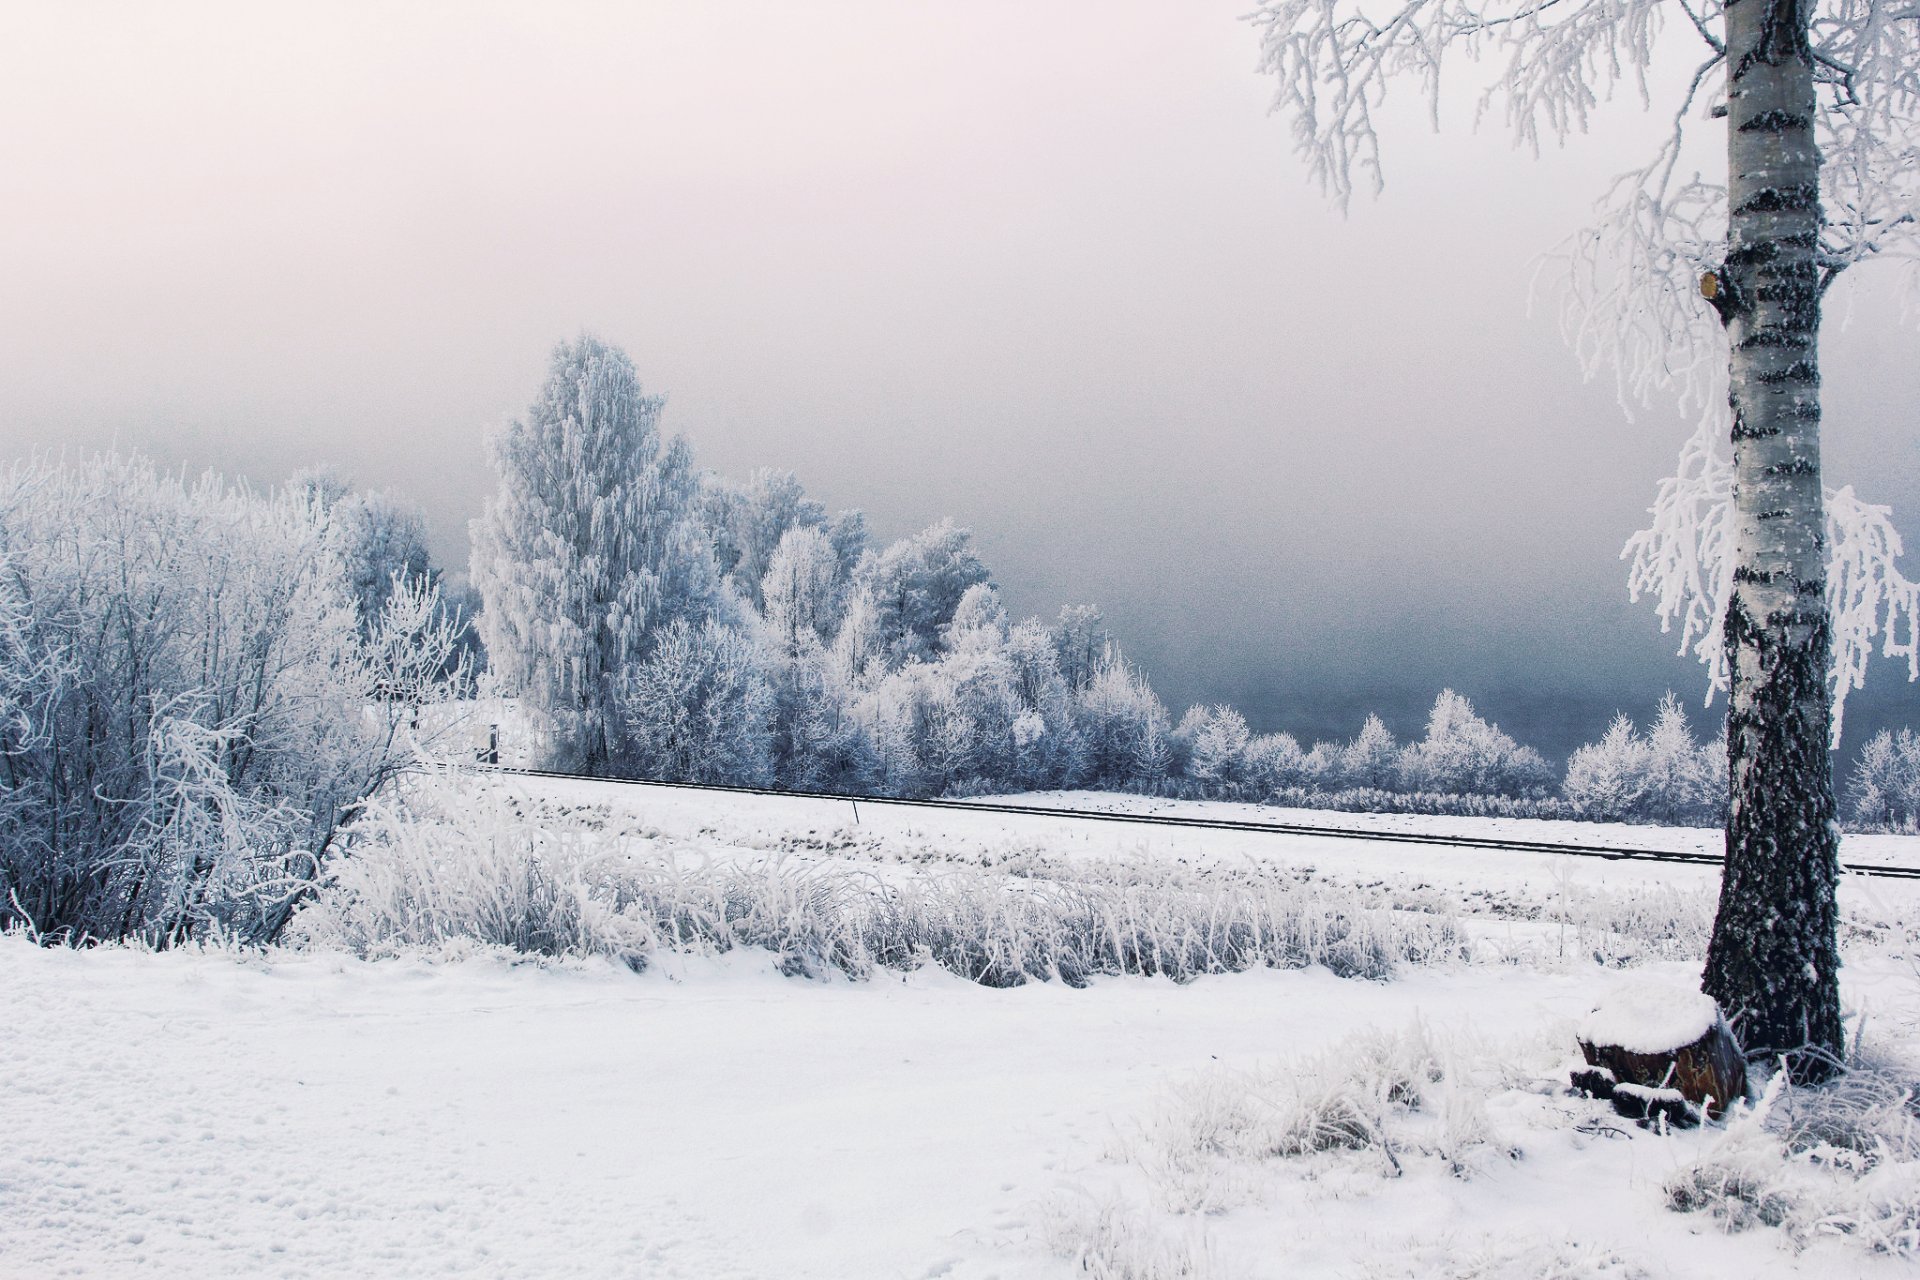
591	545
1818	102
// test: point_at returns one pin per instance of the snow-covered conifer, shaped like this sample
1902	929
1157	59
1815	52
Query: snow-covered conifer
1218	759
1608	779
1124	729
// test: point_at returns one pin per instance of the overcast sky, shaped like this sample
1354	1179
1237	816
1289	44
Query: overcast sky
1046	267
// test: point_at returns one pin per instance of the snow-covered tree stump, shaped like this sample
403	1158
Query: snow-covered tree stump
1661	1052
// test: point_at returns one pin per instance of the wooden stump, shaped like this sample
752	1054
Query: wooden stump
1646	1079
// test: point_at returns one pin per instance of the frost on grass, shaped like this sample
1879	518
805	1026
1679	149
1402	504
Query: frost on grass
1841	1159
1507	1259
1114	1239
460	864
1369	1105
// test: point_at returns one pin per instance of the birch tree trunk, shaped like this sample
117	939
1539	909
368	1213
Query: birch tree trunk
1774	959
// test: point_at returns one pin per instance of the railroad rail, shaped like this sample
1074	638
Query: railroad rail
1618	853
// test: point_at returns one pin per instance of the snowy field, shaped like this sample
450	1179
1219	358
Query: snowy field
455	1108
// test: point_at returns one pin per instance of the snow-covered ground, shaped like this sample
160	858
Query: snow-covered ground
309	1114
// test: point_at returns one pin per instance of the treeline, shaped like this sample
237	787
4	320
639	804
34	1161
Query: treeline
667	623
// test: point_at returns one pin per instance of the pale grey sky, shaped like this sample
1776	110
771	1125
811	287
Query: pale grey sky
1046	266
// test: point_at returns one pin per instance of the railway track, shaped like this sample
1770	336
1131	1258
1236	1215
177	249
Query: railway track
1617	853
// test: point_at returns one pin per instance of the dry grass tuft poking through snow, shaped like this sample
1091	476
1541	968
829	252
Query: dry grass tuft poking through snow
1113	1239
1839	1159
1368	1104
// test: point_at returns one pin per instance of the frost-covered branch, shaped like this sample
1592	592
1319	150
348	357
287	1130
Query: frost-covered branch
1333	61
1684	561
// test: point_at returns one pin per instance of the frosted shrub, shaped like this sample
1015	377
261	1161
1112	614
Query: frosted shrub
1504	1258
192	700
1841	1158
1884	790
463	863
1452	804
1634	924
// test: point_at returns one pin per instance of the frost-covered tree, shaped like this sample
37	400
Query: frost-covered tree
748	520
802	591
1464	754
1049	750
1884	789
1371	759
591	545
1124	728
907	594
1217	756
697	708
1273	761
381	539
817	742
1082	640
1820	101
1608	779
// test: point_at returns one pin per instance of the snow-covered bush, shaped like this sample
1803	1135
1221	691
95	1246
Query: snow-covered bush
1114	1239
1449	804
192	702
1884	789
1663	776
